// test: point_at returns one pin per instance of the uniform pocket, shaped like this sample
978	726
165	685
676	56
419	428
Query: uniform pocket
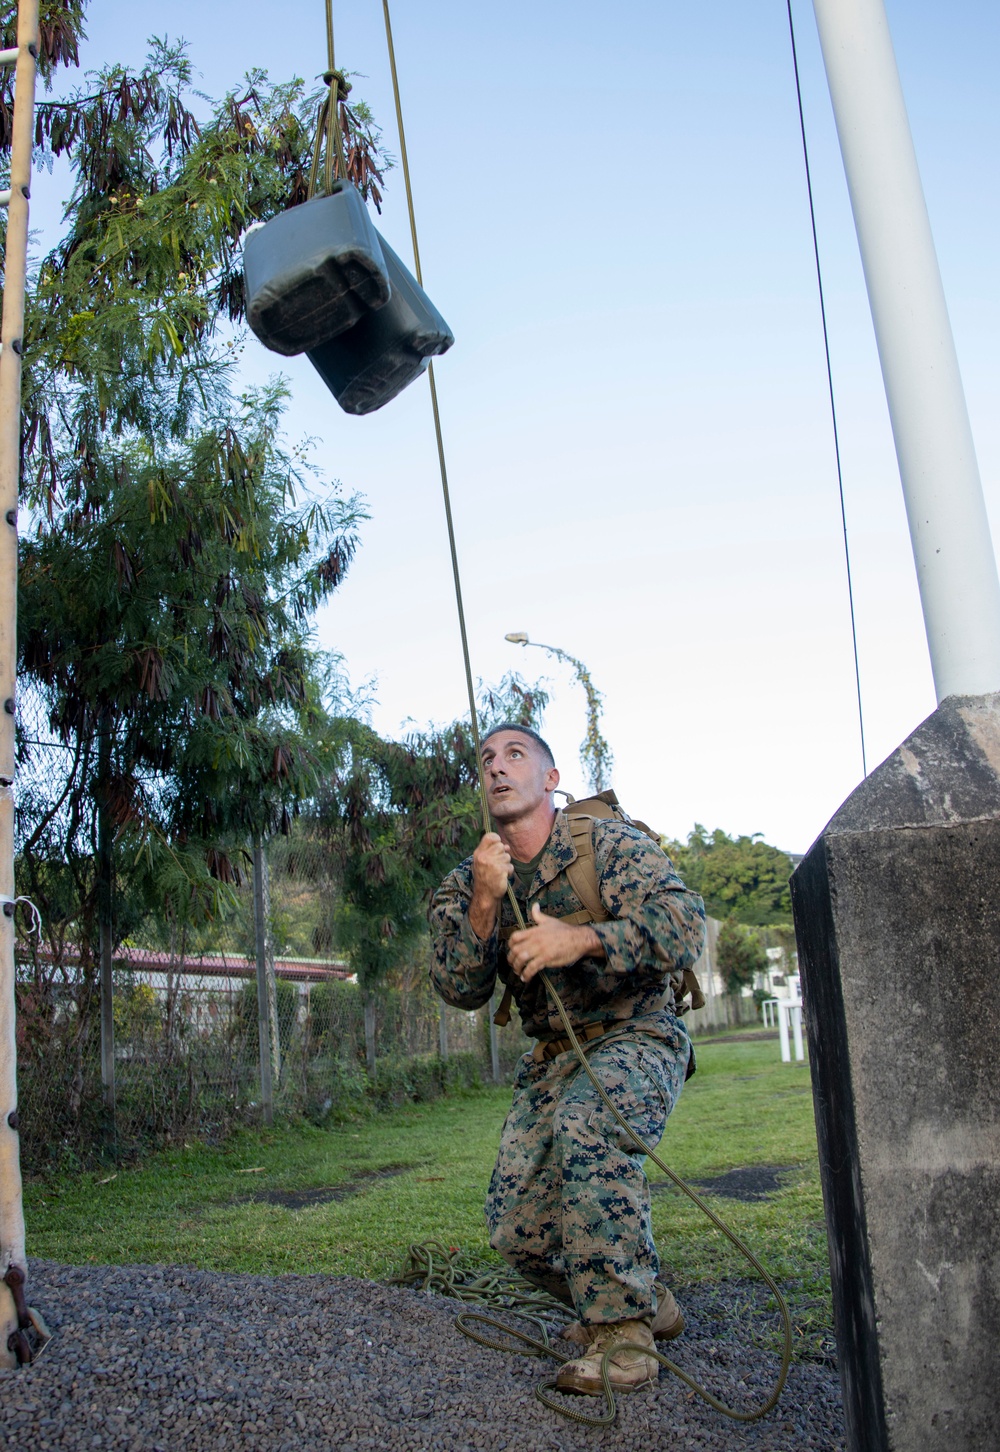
637	1084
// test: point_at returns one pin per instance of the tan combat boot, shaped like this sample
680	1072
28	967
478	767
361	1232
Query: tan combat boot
627	1369
669	1319
667	1323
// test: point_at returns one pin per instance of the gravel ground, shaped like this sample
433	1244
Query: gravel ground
167	1357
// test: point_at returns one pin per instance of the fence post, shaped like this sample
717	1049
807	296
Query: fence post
105	888
494	1042
370	1034
442	1028
267	992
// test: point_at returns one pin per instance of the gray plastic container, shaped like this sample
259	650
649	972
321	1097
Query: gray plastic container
368	365
313	271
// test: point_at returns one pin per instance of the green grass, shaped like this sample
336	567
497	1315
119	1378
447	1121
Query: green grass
744	1107
189	1205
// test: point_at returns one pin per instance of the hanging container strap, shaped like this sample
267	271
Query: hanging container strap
329	142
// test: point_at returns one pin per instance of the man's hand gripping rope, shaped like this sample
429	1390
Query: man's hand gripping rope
546	942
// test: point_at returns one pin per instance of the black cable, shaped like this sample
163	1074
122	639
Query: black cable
829	379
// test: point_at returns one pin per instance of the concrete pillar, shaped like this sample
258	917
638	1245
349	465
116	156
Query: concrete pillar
897	912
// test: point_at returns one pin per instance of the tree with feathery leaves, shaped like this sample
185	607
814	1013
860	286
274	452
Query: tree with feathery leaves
398	816
173	548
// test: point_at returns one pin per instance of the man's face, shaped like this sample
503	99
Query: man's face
519	779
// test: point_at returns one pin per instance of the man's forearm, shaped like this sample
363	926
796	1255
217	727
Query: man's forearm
482	915
593	944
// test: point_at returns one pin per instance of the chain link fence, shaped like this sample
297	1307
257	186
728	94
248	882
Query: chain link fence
132	1032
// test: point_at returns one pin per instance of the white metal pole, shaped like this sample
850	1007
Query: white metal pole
956	565
13	1264
786	1057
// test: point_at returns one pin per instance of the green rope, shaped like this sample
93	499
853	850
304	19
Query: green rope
446	493
433	1267
329	142
540	1345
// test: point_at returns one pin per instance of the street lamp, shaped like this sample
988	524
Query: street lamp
595	753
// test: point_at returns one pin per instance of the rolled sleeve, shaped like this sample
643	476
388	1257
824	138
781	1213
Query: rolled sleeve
657	924
463	966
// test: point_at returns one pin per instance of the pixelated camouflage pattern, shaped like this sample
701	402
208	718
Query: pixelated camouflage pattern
568	1203
657	929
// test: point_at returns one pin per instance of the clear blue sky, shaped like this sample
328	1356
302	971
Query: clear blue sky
613	219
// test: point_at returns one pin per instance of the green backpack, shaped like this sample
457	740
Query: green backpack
582	877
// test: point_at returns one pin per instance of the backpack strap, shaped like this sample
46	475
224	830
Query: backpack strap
692	986
582	877
502	1016
582	874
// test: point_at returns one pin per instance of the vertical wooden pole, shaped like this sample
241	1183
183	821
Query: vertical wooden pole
12	1247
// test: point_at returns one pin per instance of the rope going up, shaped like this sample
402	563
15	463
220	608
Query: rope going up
540	1346
442	462
829	380
329	142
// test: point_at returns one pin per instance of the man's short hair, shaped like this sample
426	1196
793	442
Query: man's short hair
524	731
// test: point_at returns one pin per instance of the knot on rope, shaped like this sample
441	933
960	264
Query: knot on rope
344	86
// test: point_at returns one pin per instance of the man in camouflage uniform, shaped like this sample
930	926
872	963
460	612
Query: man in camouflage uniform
568	1203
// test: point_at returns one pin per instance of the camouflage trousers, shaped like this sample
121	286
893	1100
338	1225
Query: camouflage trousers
568	1203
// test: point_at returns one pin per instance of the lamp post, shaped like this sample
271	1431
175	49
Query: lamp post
595	753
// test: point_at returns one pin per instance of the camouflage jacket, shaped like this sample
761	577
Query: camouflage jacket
656	929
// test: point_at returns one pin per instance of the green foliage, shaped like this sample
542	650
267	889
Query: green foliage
135	1009
739	877
330	1005
761	996
595	754
740	955
398	816
174	548
167	613
421	1078
245	1005
60	30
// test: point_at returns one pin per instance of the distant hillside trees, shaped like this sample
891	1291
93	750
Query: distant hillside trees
740	955
739	877
397	816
